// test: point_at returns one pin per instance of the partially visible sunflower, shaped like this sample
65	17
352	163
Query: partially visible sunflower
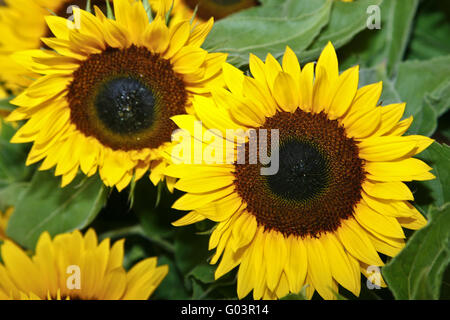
107	92
76	267
23	24
337	197
4	218
206	9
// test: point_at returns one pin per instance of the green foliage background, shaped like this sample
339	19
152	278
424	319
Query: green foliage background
410	54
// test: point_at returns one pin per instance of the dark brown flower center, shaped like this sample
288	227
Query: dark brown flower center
318	182
219	9
125	98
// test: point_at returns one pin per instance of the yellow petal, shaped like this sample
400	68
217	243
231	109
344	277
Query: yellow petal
297	264
346	87
291	65
355	241
328	60
156	36
275	253
388	190
285	92
406	170
319	269
341	267
379	223
389	148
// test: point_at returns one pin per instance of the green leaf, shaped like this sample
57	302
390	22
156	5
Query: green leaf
439	98
421	85
11	194
431	30
416	272
401	14
172	287
155	222
269	28
386	45
14	174
12	158
346	20
435	192
190	249
203	272
45	206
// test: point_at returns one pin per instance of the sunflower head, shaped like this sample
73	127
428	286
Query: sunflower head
337	196
76	267
104	96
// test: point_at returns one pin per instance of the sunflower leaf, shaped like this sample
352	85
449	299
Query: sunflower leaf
203	272
417	271
45	206
12	158
387	44
401	14
346	20
430	34
434	192
269	28
190	249
11	194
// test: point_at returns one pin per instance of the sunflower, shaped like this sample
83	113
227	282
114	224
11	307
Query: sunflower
73	266
107	92
205	9
4	218
337	198
23	24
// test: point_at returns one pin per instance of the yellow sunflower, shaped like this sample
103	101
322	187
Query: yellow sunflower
337	198
107	92
206	9
73	266
23	24
4	218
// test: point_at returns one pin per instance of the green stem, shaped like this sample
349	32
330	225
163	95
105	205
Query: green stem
137	230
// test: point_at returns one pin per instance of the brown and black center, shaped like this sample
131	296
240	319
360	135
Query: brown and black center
303	171
125	105
318	182
126	97
219	9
